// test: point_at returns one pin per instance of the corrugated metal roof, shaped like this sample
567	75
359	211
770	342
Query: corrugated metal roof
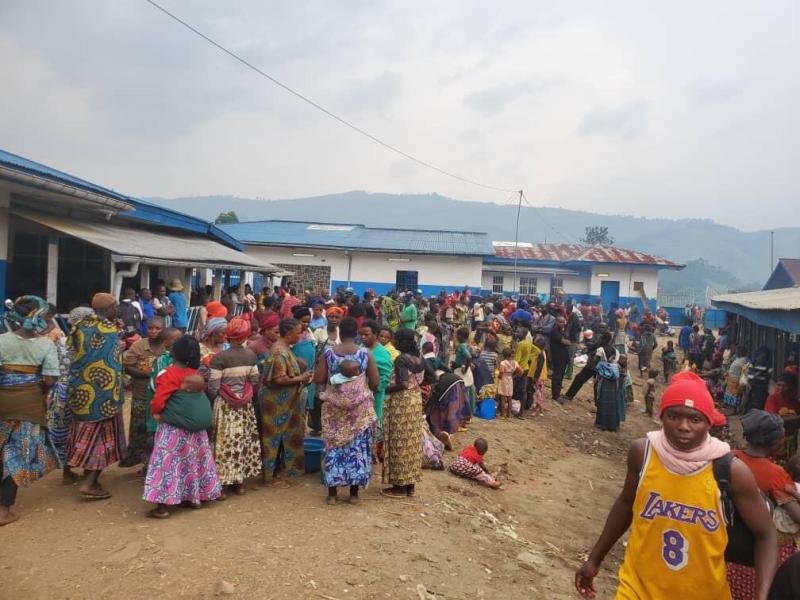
577	253
792	266
143	211
780	299
128	244
359	237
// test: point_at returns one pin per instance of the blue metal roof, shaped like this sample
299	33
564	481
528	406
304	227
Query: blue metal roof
144	212
360	237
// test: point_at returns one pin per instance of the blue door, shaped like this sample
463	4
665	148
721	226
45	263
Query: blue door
609	293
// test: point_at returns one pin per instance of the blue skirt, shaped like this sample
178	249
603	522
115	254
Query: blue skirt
351	464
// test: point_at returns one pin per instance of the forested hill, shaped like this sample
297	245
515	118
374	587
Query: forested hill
743	255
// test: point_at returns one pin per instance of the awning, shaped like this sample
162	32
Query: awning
132	245
779	309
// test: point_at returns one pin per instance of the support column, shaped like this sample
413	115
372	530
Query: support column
144	277
112	275
52	269
5	240
216	292
187	284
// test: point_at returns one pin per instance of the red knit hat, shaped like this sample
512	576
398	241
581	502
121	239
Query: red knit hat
687	389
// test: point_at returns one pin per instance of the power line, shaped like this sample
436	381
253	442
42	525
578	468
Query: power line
542	219
321	108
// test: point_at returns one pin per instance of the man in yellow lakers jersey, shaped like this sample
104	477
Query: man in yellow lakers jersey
671	501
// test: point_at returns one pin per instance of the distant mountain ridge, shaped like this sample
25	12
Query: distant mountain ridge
744	255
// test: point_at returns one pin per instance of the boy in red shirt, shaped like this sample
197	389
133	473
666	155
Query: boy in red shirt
469	464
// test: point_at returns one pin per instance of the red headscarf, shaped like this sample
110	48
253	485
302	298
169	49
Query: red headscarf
334	310
216	309
238	329
267	320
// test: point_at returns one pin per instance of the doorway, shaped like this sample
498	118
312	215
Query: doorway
609	293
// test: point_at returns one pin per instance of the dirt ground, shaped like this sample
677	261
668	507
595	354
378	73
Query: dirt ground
456	540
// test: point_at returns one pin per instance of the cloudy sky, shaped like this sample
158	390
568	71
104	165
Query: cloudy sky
651	108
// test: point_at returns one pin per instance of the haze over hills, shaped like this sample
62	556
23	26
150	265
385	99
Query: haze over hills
731	259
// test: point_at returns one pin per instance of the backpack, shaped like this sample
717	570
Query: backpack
741	542
129	315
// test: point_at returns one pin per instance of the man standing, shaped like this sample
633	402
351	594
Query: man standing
180	319
408	316
671	502
589	370
97	434
559	355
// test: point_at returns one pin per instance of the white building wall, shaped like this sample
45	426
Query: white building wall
573	284
626	277
368	268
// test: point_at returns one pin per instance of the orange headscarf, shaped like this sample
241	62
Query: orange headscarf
216	309
238	329
334	310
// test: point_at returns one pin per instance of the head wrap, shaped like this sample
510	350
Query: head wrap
102	300
334	310
216	309
238	329
78	313
687	389
761	428
34	319
213	326
267	320
301	311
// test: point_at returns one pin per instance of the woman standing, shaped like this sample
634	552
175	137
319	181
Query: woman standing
348	415
138	363
282	409
212	342
608	415
305	351
59	415
29	368
764	433
97	433
233	374
402	422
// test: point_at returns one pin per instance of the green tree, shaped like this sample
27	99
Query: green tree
227	217
597	236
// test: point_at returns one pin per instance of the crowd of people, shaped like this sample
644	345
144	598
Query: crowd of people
387	380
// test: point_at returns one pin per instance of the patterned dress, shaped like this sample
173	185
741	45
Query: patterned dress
59	415
26	453
95	396
348	417
236	445
282	415
140	355
181	466
402	424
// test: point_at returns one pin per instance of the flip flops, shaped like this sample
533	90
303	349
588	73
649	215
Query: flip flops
101	495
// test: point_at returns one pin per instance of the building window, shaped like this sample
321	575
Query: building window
527	286
406	280
638	286
556	285
497	284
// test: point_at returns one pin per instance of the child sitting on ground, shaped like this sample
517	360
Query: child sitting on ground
469	464
650	392
181	468
434	362
669	360
505	387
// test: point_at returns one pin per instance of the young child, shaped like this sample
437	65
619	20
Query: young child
181	467
650	392
434	362
669	360
537	375
505	386
469	464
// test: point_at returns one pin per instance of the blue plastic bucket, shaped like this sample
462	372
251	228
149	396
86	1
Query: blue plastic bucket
487	409
313	448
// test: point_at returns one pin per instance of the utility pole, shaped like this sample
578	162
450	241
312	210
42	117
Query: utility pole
516	242
771	251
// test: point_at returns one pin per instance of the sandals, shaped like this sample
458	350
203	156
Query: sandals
331	500
393	493
156	514
99	495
